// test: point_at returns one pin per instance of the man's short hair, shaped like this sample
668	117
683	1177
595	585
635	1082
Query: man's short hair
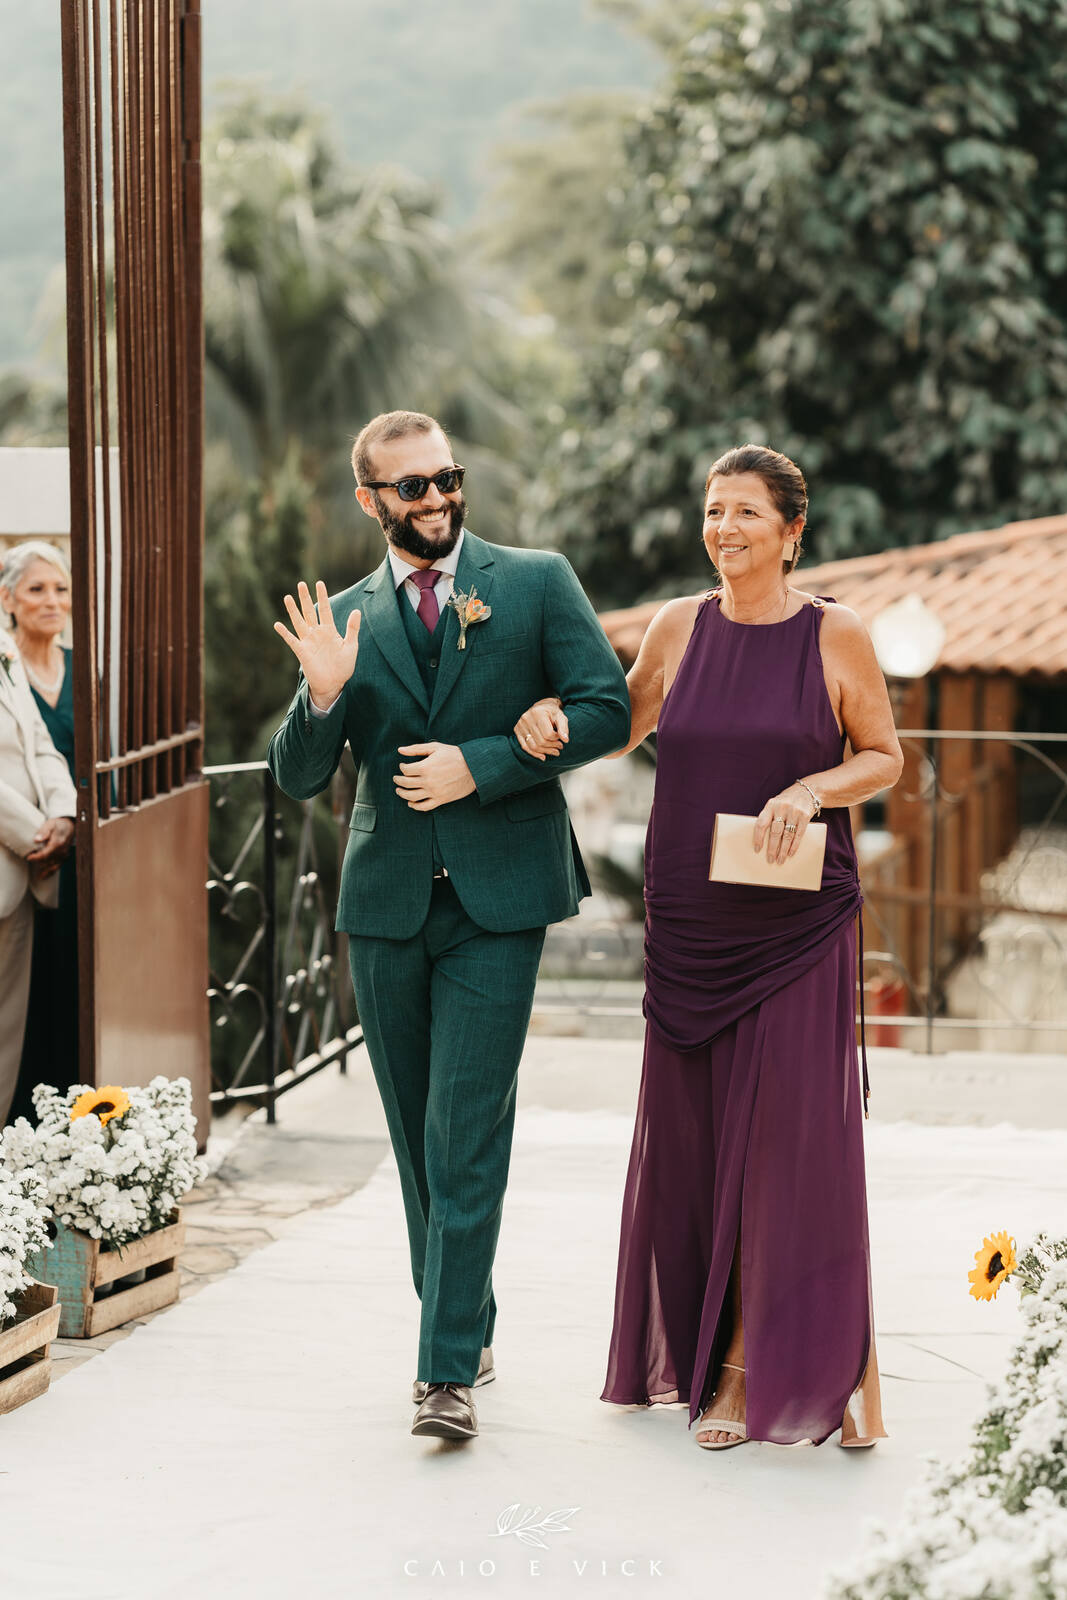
383	429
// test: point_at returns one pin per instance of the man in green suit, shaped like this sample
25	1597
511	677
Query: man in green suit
460	848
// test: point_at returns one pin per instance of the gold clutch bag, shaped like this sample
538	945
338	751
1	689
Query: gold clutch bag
733	859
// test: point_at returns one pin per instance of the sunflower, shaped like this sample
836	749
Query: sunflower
993	1263
105	1103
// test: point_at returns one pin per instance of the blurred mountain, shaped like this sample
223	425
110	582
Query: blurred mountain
429	85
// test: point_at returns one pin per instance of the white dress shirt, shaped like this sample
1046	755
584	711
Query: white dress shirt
447	565
402	571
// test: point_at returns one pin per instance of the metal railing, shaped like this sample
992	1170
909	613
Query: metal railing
965	912
280	1008
973	899
969	892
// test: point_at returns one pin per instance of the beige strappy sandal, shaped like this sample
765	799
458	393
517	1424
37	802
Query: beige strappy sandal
709	1424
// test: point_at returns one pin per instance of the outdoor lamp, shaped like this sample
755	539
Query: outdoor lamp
908	638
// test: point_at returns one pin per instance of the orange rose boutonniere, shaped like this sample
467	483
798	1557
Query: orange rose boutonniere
469	609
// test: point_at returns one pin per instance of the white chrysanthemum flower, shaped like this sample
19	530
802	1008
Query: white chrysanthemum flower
993	1523
23	1231
114	1181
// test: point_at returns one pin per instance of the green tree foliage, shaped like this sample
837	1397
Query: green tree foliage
847	239
321	284
556	220
33	411
331	294
427	86
255	551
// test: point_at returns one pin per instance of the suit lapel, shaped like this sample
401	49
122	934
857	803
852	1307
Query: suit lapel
8	669
19	696
381	614
475	571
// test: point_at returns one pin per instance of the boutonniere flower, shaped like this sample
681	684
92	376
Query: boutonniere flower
6	658
469	609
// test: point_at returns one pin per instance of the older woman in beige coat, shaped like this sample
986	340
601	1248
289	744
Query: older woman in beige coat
38	804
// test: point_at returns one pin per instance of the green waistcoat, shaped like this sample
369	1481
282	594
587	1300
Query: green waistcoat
426	648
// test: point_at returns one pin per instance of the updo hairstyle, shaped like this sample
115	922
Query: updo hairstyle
783	478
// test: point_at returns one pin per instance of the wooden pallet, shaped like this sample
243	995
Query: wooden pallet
81	1267
25	1359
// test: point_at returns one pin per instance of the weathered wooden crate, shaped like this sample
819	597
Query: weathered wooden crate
25	1360
82	1267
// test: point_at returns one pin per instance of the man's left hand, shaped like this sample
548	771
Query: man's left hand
433	775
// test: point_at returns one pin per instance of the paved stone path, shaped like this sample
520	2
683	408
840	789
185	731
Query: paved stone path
257	1437
268	1176
331	1136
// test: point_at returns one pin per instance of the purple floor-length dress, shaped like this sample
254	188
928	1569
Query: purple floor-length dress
750	1114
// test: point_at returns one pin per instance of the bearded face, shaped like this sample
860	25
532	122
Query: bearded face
427	533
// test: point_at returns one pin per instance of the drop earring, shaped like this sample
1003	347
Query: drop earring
789	550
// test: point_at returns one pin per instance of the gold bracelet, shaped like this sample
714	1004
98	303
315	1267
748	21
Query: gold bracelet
814	796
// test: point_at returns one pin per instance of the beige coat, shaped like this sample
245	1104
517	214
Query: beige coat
34	785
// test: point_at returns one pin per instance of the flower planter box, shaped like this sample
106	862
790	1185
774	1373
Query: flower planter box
25	1361
88	1275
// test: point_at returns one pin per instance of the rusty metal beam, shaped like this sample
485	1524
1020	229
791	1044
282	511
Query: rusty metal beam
131	146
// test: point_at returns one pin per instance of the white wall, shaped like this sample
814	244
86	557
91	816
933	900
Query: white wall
35	504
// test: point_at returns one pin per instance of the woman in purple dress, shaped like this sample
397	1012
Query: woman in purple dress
744	1266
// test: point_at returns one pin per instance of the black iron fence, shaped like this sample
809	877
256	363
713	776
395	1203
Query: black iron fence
281	1003
966	895
965	920
964	870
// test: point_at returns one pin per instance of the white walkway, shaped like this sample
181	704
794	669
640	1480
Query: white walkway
253	1442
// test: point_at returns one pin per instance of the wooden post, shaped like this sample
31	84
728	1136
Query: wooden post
999	706
906	821
957	711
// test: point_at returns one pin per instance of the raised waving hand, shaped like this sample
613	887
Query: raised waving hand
327	658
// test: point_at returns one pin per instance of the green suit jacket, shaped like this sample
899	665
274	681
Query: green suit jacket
508	847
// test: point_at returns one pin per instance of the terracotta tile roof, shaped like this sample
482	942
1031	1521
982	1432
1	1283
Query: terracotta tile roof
1002	596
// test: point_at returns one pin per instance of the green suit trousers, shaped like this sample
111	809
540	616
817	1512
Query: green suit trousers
444	1015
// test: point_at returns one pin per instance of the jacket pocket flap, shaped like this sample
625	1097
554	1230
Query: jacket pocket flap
364	818
539	802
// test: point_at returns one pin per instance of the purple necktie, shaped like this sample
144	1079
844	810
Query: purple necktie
428	611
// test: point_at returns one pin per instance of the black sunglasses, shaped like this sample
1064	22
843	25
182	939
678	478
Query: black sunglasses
414	488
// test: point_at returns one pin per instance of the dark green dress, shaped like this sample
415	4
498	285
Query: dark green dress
50	1048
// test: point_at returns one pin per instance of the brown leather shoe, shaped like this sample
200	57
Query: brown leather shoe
446	1413
486	1373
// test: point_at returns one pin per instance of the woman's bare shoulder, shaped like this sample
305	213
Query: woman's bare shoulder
674	620
840	622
